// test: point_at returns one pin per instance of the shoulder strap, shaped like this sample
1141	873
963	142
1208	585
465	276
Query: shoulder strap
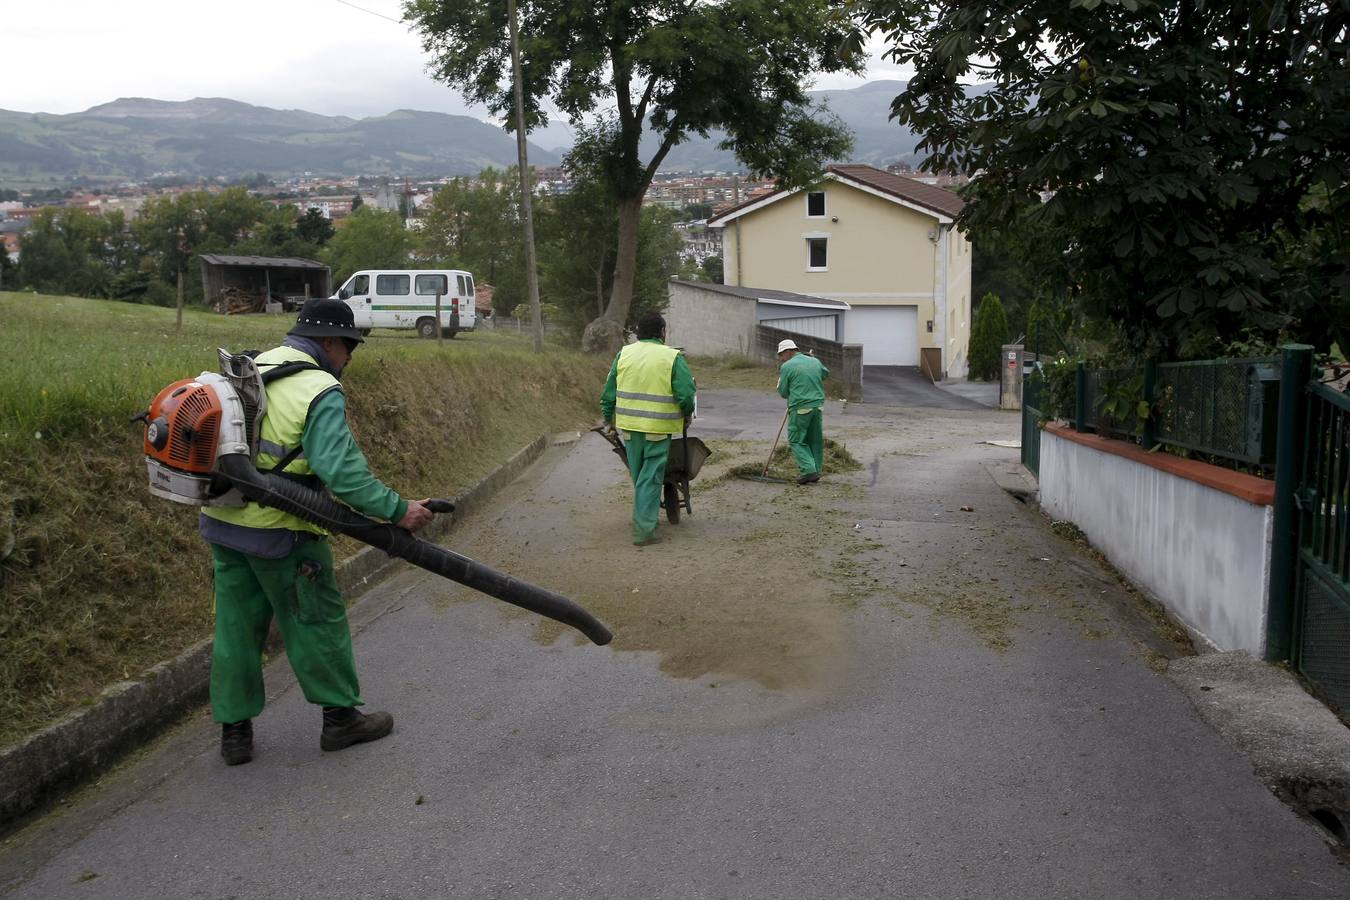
281	370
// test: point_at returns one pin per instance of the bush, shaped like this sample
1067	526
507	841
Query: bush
988	334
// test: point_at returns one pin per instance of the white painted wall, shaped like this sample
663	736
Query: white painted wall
1202	553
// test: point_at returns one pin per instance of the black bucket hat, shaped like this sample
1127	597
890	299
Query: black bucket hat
322	317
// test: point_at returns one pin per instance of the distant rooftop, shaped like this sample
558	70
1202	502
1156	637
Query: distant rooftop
766	295
268	262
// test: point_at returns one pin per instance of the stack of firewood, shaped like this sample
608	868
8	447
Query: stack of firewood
233	301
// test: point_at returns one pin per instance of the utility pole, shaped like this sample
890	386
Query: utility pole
526	214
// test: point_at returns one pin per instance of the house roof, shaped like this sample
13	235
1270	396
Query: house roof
267	262
765	295
942	204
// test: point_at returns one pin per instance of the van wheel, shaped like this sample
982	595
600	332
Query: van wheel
450	332
364	332
426	327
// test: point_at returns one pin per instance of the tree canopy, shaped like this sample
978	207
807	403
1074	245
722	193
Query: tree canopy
673	67
1195	155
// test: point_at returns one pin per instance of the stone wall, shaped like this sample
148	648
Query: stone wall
709	323
843	360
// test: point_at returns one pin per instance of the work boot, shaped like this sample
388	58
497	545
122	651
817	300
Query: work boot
810	478
236	742
346	725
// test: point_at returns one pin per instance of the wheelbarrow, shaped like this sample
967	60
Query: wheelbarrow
687	456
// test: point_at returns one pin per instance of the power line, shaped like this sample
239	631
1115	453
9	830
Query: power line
370	11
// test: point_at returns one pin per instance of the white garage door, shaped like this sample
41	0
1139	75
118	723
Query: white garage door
815	326
889	334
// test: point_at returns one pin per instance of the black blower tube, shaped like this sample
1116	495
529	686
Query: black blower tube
322	510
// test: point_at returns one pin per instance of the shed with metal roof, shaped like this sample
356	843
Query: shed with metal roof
262	279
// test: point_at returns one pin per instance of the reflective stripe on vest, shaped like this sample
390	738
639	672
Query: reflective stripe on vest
643	401
288	402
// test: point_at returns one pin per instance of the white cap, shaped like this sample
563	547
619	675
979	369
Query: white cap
786	345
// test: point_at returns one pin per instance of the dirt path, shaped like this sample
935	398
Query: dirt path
765	582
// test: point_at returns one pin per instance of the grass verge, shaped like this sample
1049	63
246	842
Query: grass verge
98	579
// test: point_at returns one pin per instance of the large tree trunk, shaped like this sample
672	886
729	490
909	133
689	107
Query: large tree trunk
605	334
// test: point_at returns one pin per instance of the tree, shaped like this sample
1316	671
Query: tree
712	269
578	247
71	251
356	202
1192	152
475	225
370	239
314	228
988	334
673	67
9	272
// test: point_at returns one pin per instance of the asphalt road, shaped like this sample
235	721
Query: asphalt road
969	710
906	386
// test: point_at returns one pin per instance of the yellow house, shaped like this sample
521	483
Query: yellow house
885	244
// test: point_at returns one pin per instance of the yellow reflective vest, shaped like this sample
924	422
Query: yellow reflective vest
644	400
288	402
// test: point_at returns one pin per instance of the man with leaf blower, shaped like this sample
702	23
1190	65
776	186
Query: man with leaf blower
649	395
271	563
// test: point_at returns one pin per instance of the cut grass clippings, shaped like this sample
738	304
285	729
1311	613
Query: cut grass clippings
781	466
99	579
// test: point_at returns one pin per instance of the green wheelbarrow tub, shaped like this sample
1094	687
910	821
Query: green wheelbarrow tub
687	456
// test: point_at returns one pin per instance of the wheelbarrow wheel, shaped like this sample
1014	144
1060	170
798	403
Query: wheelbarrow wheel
671	502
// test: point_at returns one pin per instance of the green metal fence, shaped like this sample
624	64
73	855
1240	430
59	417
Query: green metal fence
1031	425
1321	648
1224	408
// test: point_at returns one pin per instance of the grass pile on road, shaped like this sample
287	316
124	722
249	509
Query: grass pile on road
837	459
99	579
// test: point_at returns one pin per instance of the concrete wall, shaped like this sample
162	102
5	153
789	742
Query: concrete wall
708	323
1203	553
843	360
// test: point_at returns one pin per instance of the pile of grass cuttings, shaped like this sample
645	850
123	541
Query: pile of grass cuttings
782	468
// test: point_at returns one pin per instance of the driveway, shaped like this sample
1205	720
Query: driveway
907	386
898	682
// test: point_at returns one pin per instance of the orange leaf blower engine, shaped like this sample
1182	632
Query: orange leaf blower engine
193	424
201	443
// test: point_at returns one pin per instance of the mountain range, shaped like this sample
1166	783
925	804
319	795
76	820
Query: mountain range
137	138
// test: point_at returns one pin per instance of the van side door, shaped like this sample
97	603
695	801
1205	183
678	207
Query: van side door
428	286
392	304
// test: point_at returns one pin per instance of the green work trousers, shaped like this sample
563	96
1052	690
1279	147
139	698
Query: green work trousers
647	455
806	440
302	592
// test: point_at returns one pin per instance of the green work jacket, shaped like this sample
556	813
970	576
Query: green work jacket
801	380
649	389
308	409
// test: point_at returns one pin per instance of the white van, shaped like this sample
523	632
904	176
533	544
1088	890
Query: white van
406	298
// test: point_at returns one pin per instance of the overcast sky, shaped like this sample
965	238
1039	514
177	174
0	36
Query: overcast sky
324	56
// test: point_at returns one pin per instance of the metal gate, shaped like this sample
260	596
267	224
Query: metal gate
1321	644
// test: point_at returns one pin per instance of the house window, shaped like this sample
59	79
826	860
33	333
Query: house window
815	204
816	256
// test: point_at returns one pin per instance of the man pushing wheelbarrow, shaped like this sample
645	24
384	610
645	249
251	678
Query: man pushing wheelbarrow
649	397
